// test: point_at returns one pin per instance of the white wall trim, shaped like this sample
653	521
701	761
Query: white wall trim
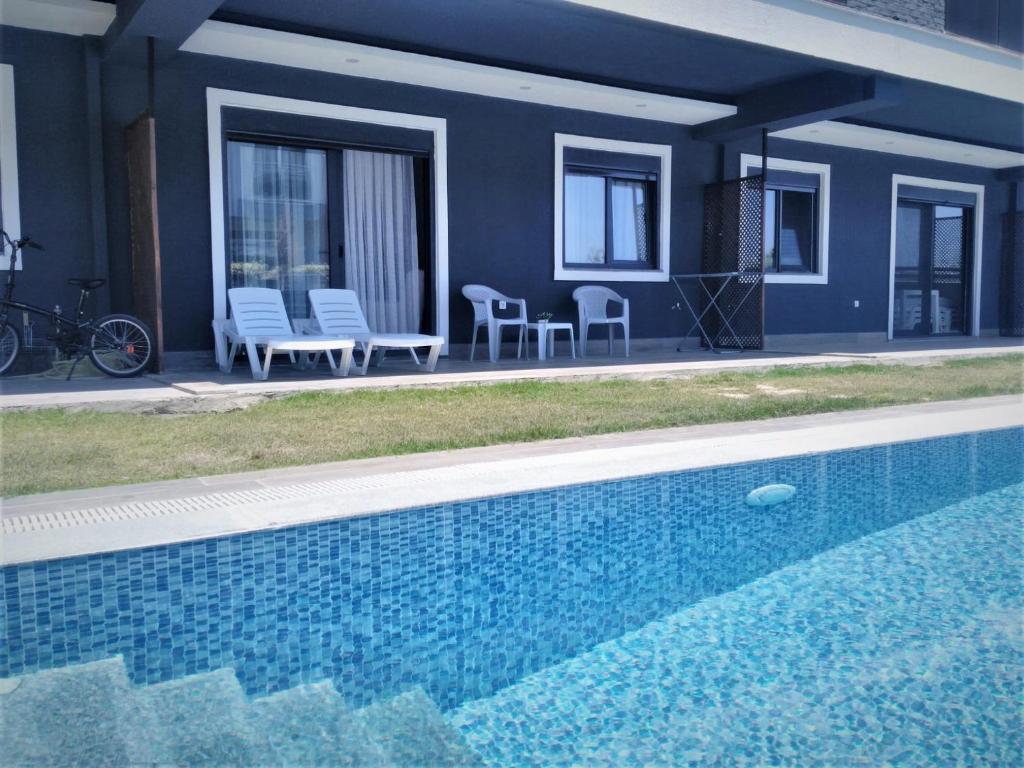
664	153
824	173
217	99
907	144
833	33
979	220
68	17
9	195
216	38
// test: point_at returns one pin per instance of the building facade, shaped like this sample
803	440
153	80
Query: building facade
530	146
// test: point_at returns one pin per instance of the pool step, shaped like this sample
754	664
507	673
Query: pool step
413	732
91	715
68	716
312	725
203	719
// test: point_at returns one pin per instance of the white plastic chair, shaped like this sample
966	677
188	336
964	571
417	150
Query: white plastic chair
483	299
260	320
592	302
337	312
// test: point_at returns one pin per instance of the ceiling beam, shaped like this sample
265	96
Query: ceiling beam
1016	173
804	100
171	23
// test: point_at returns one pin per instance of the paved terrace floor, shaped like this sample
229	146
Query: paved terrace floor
209	389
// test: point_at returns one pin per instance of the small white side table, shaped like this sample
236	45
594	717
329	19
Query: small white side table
546	337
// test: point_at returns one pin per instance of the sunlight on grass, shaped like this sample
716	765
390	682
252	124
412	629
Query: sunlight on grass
53	449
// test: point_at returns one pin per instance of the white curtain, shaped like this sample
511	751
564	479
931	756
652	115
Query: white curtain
381	254
629	221
277	210
583	221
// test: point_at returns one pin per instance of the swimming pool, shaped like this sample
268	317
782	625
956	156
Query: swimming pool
657	619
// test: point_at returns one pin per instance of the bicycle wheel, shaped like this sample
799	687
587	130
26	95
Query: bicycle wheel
121	346
9	346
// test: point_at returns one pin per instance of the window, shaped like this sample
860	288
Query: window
609	218
10	215
310	215
796	219
790	230
998	22
611	210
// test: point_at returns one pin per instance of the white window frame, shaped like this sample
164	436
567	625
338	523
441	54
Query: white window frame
664	154
217	99
978	190
9	197
824	173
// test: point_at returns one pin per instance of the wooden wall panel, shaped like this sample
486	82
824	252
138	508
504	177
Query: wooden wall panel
140	141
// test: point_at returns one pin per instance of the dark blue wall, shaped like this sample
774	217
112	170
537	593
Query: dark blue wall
861	203
53	161
501	207
501	203
124	99
500	189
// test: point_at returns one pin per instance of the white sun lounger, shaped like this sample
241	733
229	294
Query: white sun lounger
337	312
260	320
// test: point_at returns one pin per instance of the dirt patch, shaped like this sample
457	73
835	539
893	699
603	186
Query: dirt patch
733	394
183	406
774	391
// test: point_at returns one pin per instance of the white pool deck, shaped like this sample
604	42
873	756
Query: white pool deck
64	524
184	390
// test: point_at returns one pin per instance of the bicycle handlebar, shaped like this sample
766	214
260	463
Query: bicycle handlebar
21	243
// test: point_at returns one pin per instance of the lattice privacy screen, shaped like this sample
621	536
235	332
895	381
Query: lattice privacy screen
734	242
948	250
1011	283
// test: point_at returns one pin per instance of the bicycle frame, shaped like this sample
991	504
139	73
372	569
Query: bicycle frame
67	331
63	325
118	344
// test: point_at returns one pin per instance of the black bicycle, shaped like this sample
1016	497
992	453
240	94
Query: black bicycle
118	345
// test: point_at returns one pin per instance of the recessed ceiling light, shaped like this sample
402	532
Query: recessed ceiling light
641	106
889	143
815	130
352	61
525	87
968	154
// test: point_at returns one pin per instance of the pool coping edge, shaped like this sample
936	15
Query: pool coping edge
70	524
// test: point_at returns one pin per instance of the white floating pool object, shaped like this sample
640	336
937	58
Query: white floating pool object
770	495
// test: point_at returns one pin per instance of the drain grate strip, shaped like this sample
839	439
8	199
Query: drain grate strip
134	510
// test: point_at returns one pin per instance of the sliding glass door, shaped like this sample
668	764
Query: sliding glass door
303	217
933	265
278	234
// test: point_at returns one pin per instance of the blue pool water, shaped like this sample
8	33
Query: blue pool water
653	620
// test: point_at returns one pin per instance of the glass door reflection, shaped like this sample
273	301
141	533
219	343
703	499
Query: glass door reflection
933	257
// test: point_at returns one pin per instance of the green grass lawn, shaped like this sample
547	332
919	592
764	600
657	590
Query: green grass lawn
53	449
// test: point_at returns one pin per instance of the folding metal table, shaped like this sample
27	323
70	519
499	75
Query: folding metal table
725	315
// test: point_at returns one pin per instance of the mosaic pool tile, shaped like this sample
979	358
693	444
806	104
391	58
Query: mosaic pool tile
902	648
463	601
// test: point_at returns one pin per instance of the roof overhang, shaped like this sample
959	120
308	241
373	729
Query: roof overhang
68	17
879	140
217	38
836	34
